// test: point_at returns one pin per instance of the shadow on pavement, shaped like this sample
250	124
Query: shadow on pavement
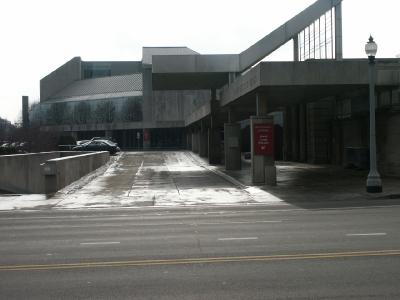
323	186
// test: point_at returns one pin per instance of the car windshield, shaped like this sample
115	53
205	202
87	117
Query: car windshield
106	142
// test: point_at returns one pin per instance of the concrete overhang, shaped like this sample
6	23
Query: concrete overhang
175	72
188	71
189	81
286	82
213	63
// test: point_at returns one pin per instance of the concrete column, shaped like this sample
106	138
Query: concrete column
74	134
231	77
214	134
338	32
287	141
195	142
214	146
146	139
263	170
232	147
261	105
189	140
295	132
124	139
296	48
231	115
108	134
203	140
302	133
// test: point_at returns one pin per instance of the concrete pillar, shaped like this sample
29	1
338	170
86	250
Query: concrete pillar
338	32
195	142
108	134
231	115
214	146
302	132
203	140
232	147
263	168
189	140
294	133
146	139
74	134
214	134
287	141
296	48
231	77
261	105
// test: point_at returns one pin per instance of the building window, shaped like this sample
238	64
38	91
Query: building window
96	70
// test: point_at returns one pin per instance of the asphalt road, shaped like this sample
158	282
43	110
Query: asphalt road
201	253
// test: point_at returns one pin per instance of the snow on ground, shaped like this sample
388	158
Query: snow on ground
170	178
138	179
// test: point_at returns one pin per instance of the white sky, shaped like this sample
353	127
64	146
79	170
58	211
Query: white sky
38	36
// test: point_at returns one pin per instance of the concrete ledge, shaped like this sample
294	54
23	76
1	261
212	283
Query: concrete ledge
60	172
24	173
21	173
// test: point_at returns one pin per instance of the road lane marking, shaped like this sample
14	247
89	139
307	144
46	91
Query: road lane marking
236	222
240	238
86	225
99	243
228	213
367	234
185	261
139	171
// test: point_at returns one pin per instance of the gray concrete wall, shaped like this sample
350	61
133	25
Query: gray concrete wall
211	63
60	78
21	173
178	105
60	172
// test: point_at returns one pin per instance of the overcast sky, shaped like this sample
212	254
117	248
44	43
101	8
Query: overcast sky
39	36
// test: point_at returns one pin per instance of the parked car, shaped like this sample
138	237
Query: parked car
96	138
81	142
98	145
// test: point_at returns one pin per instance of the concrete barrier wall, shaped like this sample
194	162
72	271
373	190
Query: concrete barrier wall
60	172
21	173
24	174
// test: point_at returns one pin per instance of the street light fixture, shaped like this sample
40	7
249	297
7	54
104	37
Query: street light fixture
374	183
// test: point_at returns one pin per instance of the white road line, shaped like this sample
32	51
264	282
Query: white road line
99	243
235	239
366	234
235	222
140	169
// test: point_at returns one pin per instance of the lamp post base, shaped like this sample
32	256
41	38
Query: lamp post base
374	182
374	189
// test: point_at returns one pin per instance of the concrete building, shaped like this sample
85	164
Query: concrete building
176	97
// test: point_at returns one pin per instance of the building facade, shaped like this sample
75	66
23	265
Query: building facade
177	98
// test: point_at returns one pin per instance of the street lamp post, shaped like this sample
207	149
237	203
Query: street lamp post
374	183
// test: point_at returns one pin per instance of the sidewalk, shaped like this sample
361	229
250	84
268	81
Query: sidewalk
303	184
183	179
